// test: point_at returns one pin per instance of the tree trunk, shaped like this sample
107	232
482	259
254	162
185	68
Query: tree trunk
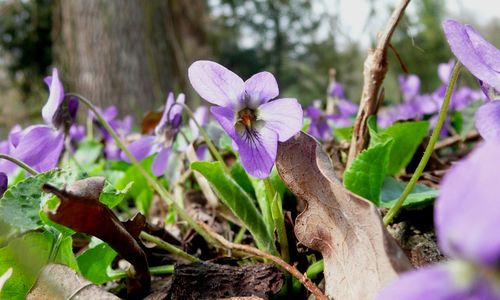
127	52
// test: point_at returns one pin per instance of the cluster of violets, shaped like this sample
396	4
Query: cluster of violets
418	106
246	110
466	213
467	209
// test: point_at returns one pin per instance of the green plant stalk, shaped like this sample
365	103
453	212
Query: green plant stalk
213	150
314	269
167	246
55	247
157	270
278	219
151	180
19	163
312	272
239	236
393	212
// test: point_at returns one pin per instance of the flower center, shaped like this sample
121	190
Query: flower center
246	117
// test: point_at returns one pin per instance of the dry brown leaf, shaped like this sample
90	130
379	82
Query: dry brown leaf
81	211
360	256
61	282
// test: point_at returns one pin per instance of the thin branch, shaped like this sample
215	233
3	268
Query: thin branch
456	139
313	288
375	68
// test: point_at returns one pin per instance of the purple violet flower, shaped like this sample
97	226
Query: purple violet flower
40	146
466	220
122	128
319	127
336	90
482	59
4	181
163	138
410	86
245	111
201	116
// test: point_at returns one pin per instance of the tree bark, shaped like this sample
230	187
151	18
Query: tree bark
127	52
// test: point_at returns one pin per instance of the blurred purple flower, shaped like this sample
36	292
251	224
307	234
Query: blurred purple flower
482	59
201	115
336	90
444	71
245	111
77	132
121	127
466	220
319	127
40	146
163	138
4	181
410	86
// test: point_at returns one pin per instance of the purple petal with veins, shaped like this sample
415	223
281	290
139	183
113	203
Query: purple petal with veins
40	147
216	84
56	96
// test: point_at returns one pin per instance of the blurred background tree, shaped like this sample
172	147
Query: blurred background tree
131	52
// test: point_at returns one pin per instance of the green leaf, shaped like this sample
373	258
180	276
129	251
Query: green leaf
238	201
112	196
343	134
366	175
95	261
20	205
261	196
140	190
87	153
420	195
241	177
26	256
407	137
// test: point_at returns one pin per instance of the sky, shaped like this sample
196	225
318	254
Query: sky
353	14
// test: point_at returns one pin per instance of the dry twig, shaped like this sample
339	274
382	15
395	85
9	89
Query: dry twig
375	68
313	288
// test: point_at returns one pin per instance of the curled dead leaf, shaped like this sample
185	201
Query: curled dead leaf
81	211
360	256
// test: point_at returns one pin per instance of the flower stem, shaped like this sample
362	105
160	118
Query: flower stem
213	150
151	180
240	235
167	246
157	270
19	163
274	201
392	213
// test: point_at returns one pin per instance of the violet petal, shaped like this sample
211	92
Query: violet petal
40	147
161	161
488	120
201	116
476	54
215	83
466	212
284	116
258	156
437	282
164	118
56	96
261	88
140	148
